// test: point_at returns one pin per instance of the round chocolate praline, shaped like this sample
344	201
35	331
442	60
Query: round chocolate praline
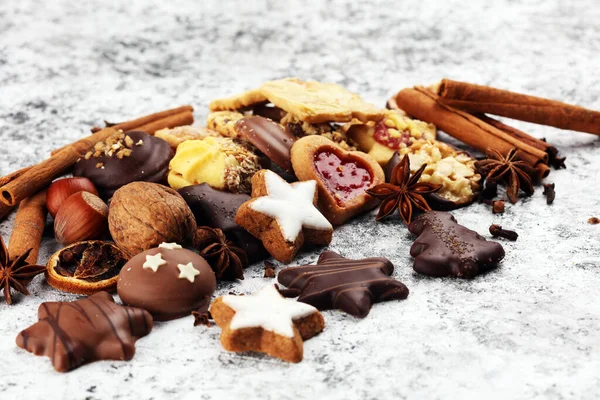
162	293
148	161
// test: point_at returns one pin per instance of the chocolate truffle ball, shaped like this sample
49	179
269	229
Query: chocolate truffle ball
131	157
167	281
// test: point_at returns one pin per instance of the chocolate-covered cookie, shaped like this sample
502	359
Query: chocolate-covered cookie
217	209
446	248
341	283
129	157
84	331
168	281
269	137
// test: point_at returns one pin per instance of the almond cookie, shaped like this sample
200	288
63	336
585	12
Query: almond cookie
283	216
178	135
220	162
311	101
223	122
343	177
396	131
454	170
266	322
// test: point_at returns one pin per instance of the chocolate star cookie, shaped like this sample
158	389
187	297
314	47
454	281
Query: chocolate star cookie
83	331
338	282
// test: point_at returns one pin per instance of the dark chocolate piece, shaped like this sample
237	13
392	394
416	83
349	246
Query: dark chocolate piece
84	331
445	248
217	209
168	286
148	161
269	111
269	137
338	282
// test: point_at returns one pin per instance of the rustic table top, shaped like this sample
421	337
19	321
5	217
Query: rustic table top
528	329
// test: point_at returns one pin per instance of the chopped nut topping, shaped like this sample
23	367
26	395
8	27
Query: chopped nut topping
115	144
140	142
100	165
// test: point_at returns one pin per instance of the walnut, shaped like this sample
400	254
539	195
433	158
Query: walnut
142	215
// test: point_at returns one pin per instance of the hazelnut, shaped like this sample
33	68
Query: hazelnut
82	216
143	215
61	189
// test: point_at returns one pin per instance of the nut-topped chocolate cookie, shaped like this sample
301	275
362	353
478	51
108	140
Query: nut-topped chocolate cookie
125	158
167	281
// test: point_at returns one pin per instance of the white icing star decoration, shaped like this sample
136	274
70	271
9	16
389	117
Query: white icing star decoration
187	271
267	309
153	262
170	246
291	205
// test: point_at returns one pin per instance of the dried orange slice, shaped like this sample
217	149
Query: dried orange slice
86	267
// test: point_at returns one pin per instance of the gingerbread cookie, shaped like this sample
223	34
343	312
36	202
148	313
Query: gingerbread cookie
267	323
84	331
343	177
283	216
446	248
338	282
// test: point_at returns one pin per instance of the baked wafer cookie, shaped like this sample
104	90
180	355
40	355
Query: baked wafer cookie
310	101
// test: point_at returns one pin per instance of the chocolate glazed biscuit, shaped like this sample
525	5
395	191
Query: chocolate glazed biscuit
338	282
217	209
83	331
148	162
445	248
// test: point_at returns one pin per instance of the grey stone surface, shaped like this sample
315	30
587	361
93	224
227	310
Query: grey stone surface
526	330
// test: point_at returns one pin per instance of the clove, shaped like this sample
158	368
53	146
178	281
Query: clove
497	231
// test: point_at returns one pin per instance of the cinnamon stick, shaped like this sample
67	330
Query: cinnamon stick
172	121
29	227
7	178
553	159
426	105
485	99
4	210
151	123
40	175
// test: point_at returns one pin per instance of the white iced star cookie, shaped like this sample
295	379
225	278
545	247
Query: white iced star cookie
292	207
282	324
153	262
187	271
170	246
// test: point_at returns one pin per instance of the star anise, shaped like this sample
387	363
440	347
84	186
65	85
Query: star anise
16	273
510	170
403	192
228	261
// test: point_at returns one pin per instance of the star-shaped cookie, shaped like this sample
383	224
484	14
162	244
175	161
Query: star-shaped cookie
87	330
266	322
283	216
338	282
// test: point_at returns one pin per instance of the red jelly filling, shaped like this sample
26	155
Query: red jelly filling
345	178
382	136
